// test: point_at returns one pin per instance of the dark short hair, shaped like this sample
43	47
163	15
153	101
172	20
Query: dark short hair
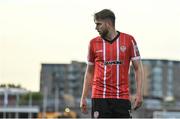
105	14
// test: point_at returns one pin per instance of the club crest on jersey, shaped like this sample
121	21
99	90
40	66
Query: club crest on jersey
96	114
123	48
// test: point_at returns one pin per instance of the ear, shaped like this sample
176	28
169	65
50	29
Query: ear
109	23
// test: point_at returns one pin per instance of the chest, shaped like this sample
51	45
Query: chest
116	51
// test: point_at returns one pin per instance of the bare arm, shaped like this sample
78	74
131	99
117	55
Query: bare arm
139	76
86	86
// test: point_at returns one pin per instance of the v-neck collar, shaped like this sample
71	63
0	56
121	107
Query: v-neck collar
114	39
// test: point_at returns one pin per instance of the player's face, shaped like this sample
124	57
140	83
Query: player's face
101	27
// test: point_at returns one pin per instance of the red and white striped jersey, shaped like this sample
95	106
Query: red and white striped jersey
112	60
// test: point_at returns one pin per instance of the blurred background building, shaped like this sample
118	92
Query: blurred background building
64	82
61	88
61	85
161	90
14	105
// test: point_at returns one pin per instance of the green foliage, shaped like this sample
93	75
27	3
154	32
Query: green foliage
3	85
34	95
36	98
10	86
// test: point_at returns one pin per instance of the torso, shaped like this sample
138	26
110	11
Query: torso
111	67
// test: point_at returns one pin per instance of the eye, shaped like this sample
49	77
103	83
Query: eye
98	24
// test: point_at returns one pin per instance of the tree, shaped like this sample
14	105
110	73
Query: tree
3	85
35	97
10	85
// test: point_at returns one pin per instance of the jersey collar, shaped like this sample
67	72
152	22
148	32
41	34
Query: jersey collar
114	39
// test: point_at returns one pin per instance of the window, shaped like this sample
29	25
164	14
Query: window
157	90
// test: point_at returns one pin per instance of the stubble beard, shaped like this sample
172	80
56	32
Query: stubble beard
103	34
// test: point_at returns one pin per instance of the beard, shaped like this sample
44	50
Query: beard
104	33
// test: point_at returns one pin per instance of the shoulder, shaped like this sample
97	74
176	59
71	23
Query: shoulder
126	35
95	39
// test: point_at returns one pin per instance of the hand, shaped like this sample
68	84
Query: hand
137	102
83	105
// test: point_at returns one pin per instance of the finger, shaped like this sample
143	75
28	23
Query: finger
82	105
85	111
137	105
84	108
135	108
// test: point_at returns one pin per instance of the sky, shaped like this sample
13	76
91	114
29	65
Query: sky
33	32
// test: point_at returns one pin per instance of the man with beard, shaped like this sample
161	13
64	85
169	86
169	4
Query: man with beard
109	59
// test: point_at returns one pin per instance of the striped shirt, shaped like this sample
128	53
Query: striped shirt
112	60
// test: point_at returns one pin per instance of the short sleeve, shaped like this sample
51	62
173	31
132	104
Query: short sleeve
135	55
90	57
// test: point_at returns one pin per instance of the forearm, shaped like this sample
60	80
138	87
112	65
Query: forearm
139	76
87	81
86	86
139	81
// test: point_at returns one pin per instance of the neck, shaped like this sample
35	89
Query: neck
111	34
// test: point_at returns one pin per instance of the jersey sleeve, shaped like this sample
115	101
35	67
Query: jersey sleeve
135	55
91	55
